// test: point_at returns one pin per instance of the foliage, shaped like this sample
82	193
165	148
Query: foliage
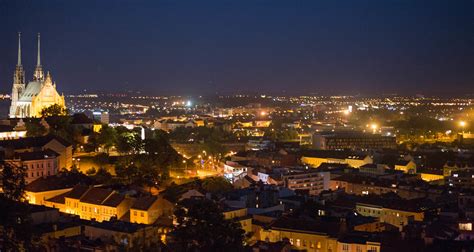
14	216
107	137
16	225
202	227
201	134
103	176
35	129
54	110
128	141
91	171
216	185
101	159
13	181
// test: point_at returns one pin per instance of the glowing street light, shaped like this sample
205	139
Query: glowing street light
463	125
374	127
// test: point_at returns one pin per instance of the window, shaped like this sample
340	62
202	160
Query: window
372	249
298	242
319	245
142	214
134	213
345	247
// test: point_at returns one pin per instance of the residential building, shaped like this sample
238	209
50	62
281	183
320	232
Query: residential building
307	180
38	164
315	158
352	140
407	166
31	144
147	210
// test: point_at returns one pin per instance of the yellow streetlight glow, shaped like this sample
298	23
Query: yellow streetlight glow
462	124
373	126
346	112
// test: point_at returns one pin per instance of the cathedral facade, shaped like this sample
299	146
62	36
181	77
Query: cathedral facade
29	100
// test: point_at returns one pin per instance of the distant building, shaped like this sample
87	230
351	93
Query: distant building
146	210
101	116
10	132
44	188
373	169
312	181
38	164
170	125
461	179
395	212
352	140
29	100
91	203
453	166
407	166
32	144
257	145
315	158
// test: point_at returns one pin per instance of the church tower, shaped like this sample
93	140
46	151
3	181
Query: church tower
18	81
38	75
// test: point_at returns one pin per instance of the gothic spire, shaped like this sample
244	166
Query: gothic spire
19	75
38	63
19	49
39	75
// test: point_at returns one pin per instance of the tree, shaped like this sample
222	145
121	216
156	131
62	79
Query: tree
14	215
54	110
216	185
35	129
13	179
201	227
103	176
107	137
128	141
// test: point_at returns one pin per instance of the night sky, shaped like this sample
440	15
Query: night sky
204	47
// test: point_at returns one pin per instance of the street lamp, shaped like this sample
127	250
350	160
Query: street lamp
374	127
463	125
186	164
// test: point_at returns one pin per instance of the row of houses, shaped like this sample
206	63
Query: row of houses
74	193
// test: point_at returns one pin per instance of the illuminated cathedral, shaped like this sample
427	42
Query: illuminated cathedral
29	100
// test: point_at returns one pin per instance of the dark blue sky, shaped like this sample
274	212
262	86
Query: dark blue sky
200	47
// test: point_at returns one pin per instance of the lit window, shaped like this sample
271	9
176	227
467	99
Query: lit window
465	226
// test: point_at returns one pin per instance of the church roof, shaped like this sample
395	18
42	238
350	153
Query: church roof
32	89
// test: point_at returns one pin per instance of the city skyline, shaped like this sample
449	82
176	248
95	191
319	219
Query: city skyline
202	48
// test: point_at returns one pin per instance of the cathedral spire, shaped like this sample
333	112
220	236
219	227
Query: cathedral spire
19	49
39	75
38	63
